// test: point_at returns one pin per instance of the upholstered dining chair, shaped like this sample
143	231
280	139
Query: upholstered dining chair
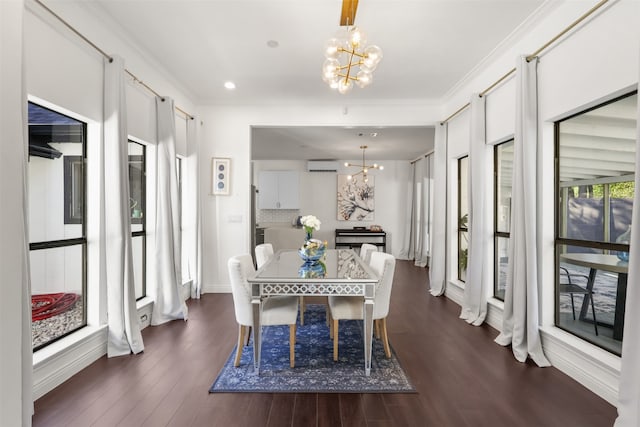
366	250
264	252
276	310
350	308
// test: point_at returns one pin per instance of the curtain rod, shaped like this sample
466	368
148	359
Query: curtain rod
106	55
530	57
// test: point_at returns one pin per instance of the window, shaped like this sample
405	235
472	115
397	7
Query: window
57	229
503	172
137	204
463	217
595	166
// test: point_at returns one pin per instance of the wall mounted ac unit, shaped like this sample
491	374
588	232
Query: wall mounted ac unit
322	166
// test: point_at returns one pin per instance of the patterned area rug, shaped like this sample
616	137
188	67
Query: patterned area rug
315	370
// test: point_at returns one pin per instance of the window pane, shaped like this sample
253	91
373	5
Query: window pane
57	283
463	217
504	164
56	175
502	261
585	273
138	244
596	158
137	185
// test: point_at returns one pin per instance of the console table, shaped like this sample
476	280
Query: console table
353	238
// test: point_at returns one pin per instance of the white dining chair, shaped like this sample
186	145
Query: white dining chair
366	250
276	310
350	308
264	252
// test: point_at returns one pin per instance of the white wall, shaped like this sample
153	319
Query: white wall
226	132
595	62
318	195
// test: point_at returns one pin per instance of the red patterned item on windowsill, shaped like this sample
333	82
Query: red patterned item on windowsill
44	306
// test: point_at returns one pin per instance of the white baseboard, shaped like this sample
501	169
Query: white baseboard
596	369
216	289
59	361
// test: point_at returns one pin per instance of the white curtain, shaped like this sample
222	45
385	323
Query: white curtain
193	220
520	317
438	251
167	290
629	388
474	304
124	327
417	232
16	356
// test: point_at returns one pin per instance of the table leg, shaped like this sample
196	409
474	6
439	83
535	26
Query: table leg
368	334
585	300
621	300
257	334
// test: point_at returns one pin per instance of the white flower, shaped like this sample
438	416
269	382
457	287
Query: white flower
310	222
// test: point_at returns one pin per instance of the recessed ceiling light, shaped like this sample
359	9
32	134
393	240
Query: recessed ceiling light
273	43
230	85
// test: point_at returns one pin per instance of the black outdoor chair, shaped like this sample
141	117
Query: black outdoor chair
571	288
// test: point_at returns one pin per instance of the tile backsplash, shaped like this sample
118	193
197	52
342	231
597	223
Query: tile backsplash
276	215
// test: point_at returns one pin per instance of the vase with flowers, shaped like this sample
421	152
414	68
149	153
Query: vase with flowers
313	249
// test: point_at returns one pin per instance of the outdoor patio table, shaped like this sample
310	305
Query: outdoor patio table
605	262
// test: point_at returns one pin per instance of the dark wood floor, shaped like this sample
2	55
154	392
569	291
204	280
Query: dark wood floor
462	377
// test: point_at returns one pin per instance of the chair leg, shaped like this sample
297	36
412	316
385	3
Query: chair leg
236	363
376	324
385	338
302	309
248	335
330	323
335	340
573	307
593	309
292	345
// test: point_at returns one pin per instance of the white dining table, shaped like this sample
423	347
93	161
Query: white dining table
343	273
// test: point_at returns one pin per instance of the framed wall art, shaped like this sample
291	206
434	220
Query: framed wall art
356	201
220	176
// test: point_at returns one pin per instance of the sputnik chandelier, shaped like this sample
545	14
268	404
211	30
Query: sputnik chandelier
364	168
348	58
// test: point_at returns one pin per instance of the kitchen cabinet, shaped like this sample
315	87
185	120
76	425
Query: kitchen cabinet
278	190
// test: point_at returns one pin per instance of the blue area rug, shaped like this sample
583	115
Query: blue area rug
315	370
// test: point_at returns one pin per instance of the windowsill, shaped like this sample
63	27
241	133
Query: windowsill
65	344
597	354
145	301
495	302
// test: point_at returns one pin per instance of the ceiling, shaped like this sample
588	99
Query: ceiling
429	46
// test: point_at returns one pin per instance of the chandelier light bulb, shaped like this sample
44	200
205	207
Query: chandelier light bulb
347	164
381	167
363	78
331	48
357	37
345	86
349	177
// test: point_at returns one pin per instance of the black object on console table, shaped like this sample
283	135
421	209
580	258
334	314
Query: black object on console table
354	238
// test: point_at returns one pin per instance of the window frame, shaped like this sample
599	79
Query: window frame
460	228
75	241
497	233
560	241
